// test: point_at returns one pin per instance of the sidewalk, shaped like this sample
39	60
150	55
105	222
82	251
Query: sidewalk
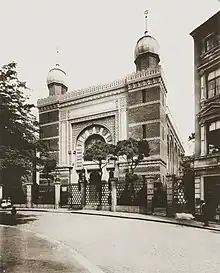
133	216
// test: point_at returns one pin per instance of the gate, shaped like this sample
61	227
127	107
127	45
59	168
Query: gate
98	195
179	202
70	196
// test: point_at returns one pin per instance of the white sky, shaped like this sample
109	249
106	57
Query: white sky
97	40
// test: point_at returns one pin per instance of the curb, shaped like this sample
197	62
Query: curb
147	219
163	221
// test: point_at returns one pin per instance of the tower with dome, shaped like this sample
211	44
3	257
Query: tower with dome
133	106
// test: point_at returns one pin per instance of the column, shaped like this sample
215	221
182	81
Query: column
1	191
57	194
150	194
203	139
113	194
197	98
198	197
63	147
29	197
123	124
169	184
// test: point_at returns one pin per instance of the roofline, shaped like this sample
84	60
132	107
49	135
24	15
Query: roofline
200	26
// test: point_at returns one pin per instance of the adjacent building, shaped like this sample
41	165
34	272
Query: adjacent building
133	106
207	112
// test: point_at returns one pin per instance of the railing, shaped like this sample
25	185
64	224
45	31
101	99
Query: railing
143	74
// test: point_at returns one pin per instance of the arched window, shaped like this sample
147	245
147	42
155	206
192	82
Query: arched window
93	139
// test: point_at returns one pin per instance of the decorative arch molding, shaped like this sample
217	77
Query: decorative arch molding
89	131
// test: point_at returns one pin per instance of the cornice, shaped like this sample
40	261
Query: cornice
143	84
93	117
91	98
144	104
103	90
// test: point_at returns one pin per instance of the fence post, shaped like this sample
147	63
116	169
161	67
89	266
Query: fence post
169	184
83	193
1	191
150	193
113	194
29	194
57	194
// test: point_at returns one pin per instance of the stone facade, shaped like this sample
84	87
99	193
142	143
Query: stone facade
207	113
134	106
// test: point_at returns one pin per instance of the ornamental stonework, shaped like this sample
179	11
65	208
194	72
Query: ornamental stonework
108	122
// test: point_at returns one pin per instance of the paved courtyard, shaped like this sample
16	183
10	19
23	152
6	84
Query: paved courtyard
105	244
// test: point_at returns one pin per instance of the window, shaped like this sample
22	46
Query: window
209	42
213	137
213	83
143	95
144	131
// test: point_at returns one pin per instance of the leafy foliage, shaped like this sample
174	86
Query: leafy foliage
49	167
99	152
188	181
18	128
134	150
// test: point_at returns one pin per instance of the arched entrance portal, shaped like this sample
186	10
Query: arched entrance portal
95	188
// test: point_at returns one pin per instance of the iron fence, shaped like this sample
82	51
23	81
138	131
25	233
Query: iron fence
131	193
70	196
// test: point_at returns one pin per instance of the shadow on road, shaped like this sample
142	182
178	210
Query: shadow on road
6	218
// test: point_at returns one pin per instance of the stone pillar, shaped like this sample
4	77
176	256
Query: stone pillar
169	184
113	194
29	194
57	194
1	191
150	194
83	193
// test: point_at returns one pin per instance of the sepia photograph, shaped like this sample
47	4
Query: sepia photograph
110	136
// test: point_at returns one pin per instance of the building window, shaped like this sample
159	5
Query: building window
213	83
143	95
213	136
209	42
144	130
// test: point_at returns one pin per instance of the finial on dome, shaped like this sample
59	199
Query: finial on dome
145	15
57	56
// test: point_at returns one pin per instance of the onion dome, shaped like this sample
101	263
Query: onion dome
146	44
56	75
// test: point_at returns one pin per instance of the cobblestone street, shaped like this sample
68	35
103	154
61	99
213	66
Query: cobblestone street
123	245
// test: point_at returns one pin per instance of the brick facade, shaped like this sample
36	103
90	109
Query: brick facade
144	113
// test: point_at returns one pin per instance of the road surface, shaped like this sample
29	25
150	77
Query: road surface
121	245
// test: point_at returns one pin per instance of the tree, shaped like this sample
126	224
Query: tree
187	166
134	151
18	129
99	152
49	167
